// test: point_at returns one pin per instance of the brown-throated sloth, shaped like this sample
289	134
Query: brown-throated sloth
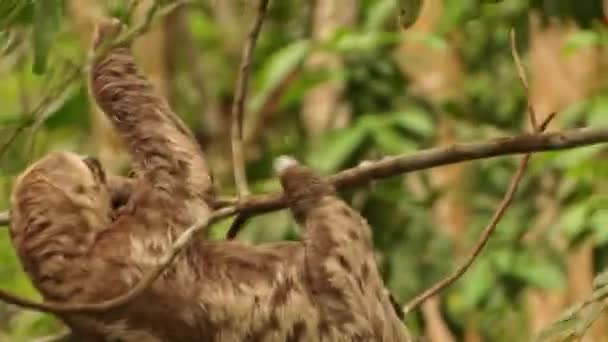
77	249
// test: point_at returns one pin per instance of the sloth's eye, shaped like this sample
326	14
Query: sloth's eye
95	166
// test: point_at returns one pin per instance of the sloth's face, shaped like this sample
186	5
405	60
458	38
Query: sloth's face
63	182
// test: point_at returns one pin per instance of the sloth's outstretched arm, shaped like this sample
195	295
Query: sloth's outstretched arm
163	150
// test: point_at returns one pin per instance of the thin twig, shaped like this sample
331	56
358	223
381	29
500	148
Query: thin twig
502	208
143	27
479	246
524	81
434	157
238	104
485	236
520	69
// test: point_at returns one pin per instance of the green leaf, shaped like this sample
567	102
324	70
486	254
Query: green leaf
503	259
379	13
336	148
276	69
598	113
433	41
363	41
456	12
478	282
9	10
391	142
538	272
47	14
579	40
574	219
67	111
416	120
10	119
599	224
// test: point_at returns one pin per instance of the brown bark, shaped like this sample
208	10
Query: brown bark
323	107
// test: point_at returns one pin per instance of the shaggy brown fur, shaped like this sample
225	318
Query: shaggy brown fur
76	248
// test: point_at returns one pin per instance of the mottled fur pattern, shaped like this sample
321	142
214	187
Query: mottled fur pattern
340	267
77	247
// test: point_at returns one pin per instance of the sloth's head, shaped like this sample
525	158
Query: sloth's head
61	186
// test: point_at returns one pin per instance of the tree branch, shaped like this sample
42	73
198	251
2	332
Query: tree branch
434	157
238	105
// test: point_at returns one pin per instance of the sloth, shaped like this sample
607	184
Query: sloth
82	238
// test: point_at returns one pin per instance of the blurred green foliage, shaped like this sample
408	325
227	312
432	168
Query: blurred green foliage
45	107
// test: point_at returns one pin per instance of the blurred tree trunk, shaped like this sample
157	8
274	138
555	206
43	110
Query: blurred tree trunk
323	107
558	81
437	76
192	73
148	49
543	305
436	330
229	16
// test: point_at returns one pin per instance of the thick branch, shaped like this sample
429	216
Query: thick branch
434	157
